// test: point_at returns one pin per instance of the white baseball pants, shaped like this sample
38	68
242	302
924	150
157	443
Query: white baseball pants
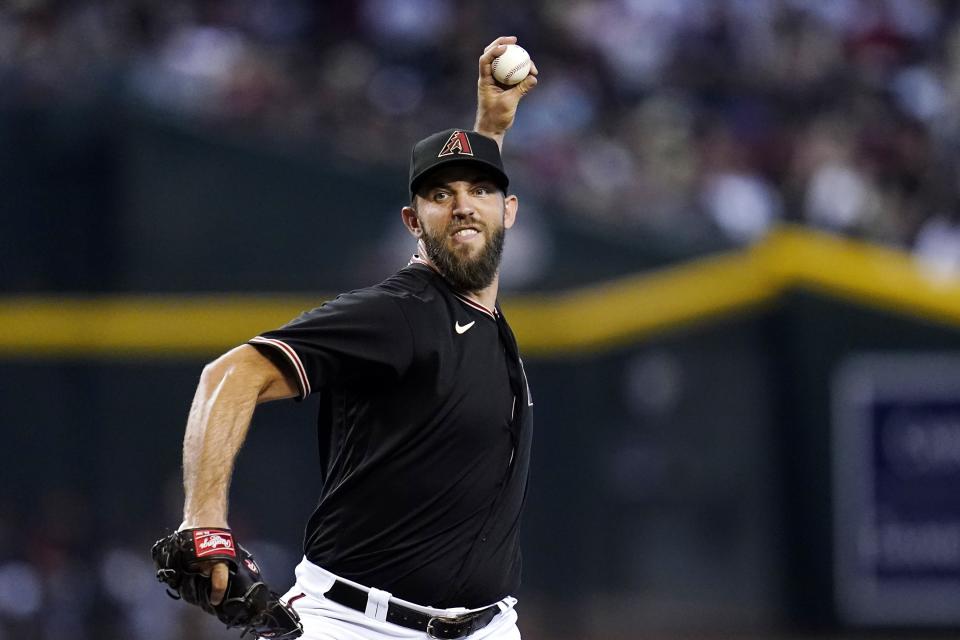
327	620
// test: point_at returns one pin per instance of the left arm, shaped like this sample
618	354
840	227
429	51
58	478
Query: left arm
497	104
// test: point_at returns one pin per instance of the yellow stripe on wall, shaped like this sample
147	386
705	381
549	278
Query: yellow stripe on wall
583	320
172	326
861	272
606	315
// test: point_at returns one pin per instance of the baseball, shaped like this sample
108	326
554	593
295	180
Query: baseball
512	65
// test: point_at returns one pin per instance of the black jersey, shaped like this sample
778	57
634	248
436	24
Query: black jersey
424	429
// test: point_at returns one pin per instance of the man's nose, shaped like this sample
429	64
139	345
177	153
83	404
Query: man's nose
463	205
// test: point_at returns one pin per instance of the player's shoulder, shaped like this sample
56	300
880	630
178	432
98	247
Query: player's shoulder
408	289
395	302
420	293
413	285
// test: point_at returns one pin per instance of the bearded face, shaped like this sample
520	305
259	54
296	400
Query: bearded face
467	265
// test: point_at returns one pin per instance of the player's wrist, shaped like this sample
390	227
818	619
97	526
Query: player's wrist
494	119
201	521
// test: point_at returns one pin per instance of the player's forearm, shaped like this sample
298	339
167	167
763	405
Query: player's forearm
216	428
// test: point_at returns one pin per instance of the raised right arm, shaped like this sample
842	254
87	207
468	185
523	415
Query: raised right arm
496	103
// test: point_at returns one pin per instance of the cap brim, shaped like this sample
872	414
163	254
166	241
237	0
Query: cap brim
499	176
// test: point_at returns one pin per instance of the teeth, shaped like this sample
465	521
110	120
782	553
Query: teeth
466	232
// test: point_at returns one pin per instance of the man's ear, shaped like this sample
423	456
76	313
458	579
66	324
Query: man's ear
510	205
411	221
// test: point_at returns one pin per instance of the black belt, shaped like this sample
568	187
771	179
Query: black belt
435	626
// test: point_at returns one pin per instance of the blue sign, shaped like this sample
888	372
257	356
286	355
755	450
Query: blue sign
897	489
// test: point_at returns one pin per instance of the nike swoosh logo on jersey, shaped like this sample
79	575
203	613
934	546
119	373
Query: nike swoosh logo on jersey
464	328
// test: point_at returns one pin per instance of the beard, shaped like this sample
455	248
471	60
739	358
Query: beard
461	271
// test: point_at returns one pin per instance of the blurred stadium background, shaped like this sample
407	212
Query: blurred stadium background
735	277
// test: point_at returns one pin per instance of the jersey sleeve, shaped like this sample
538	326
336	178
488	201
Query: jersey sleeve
357	335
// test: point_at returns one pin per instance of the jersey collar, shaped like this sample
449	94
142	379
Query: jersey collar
461	295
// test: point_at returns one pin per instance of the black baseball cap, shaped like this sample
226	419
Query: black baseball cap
455	146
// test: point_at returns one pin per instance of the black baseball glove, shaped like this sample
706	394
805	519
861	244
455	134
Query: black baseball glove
248	602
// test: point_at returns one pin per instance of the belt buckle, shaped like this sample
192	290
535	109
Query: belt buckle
441	619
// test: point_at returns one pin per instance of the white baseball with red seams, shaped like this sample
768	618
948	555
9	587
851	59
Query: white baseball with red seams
512	65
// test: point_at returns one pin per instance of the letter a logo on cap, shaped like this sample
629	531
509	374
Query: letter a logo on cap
457	143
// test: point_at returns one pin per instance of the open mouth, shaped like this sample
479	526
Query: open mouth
465	233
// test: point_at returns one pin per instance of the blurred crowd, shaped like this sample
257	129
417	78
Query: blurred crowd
71	570
689	116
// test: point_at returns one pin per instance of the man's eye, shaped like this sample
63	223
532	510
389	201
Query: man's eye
481	191
439	196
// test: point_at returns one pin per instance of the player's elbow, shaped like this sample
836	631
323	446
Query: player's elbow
237	369
249	374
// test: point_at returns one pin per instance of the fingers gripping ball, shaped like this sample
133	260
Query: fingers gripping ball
512	66
183	559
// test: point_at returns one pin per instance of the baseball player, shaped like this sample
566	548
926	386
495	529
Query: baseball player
425	427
